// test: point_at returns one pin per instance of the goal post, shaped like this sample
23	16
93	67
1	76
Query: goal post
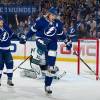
88	42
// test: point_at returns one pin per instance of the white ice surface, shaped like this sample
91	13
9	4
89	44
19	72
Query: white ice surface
70	87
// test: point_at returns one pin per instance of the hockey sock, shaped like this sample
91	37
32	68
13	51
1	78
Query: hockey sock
48	80
10	75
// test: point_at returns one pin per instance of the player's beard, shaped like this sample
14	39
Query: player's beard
1	24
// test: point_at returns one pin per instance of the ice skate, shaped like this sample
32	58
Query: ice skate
9	82
48	90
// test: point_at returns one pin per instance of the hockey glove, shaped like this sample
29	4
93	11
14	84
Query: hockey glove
41	45
68	43
22	39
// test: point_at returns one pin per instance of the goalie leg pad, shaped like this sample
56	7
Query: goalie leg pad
28	73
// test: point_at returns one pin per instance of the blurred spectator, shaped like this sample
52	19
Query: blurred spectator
92	24
72	30
84	12
20	25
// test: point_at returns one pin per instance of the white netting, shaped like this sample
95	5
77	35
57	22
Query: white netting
88	51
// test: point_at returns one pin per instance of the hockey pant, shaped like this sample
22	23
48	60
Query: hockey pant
50	55
6	58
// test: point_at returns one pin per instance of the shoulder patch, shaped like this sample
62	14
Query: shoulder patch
37	18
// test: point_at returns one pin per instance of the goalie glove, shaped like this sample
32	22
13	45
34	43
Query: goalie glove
68	43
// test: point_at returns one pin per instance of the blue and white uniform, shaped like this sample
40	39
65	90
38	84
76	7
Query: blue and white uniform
72	32
5	53
47	33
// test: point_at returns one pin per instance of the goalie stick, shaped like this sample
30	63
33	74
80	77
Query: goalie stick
60	76
19	65
74	53
56	77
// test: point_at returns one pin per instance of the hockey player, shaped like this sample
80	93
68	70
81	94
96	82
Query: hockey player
47	30
5	53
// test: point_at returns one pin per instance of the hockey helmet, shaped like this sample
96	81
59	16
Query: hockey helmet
53	11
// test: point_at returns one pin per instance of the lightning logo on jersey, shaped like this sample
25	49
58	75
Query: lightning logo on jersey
50	31
46	29
4	36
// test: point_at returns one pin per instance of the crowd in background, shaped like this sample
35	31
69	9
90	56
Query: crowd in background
80	17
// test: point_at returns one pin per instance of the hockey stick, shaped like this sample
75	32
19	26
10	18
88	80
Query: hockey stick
84	63
19	65
60	76
29	57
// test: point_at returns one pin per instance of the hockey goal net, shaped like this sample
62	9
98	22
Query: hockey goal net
88	57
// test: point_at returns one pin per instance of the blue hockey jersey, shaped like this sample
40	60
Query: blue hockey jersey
46	29
5	36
